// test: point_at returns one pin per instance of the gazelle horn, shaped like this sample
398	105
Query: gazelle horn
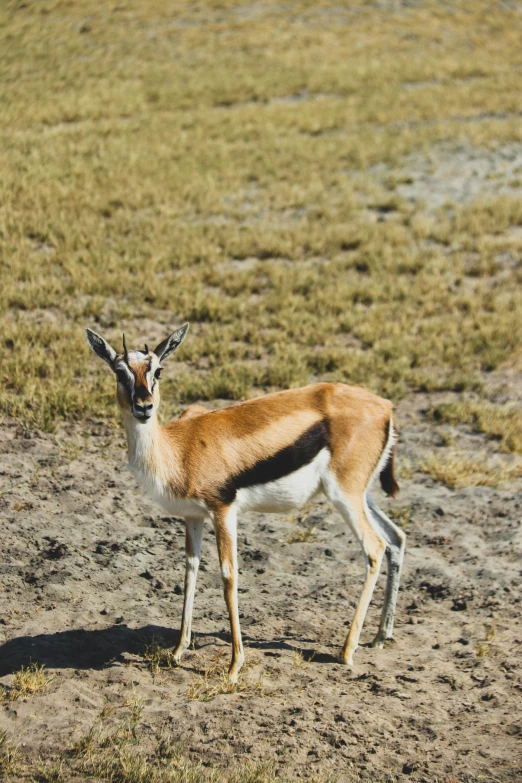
125	351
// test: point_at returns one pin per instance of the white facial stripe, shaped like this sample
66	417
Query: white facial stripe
150	375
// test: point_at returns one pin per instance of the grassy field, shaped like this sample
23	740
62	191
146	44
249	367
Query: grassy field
242	166
210	162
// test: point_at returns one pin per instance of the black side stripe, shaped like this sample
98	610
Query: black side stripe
286	461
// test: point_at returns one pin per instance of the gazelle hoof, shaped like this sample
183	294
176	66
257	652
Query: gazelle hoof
177	656
346	660
235	668
381	641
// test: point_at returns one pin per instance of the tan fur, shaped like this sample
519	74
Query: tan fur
212	446
194	410
194	456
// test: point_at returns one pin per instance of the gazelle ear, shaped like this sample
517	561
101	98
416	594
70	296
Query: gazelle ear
169	345
101	347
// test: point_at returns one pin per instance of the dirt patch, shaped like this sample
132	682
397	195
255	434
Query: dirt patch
92	576
460	174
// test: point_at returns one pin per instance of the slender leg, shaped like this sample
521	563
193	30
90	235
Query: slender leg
193	535
225	525
352	509
395	545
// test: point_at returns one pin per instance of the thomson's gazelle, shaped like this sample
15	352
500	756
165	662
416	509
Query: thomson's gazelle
273	453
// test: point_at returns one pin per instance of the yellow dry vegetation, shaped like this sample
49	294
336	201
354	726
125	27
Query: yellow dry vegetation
158	657
502	422
28	681
122	748
214	162
457	469
212	679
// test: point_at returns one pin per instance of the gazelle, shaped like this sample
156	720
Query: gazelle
272	453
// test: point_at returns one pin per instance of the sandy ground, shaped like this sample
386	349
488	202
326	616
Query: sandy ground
91	572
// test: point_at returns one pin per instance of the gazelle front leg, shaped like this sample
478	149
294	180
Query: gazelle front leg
225	525
193	535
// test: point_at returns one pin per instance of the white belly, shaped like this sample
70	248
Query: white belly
288	492
180	507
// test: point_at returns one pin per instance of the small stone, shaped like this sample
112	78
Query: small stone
178	590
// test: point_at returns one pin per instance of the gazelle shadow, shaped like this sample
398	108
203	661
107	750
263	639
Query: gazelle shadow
98	649
79	648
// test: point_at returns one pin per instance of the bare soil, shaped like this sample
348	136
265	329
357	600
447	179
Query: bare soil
92	574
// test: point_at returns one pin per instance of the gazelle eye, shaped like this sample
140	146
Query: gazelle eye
121	375
158	372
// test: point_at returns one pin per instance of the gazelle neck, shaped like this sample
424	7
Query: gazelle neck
142	441
154	458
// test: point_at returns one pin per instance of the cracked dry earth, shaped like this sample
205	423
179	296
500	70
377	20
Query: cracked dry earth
91	573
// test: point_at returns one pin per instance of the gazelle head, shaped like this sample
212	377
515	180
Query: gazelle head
137	372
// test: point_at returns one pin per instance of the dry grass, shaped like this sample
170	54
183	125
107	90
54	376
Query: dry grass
158	658
27	682
401	515
484	648
405	468
8	755
115	756
212	679
230	186
302	531
299	661
457	469
301	535
123	750
503	422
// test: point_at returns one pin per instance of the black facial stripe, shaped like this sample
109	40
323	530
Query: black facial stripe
301	452
126	379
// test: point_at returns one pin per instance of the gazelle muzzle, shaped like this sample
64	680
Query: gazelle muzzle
142	403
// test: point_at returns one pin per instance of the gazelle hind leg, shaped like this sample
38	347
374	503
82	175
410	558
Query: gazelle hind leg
353	510
395	545
193	536
225	525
